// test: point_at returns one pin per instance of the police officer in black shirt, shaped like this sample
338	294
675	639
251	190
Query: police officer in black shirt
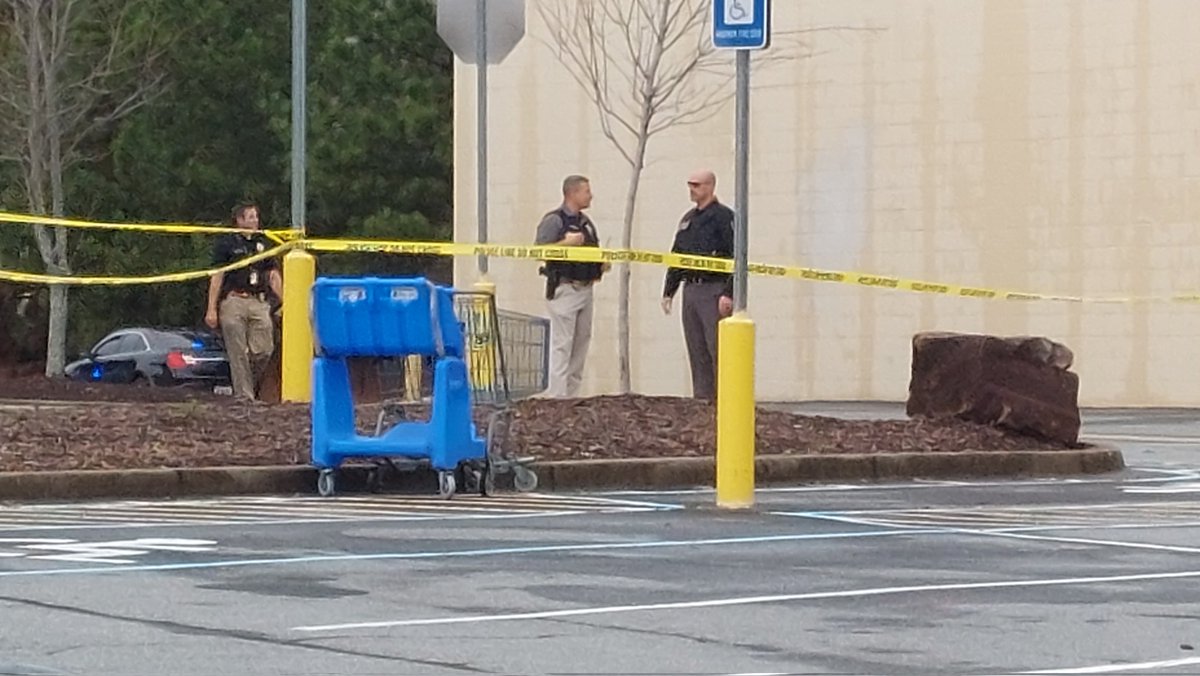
706	230
240	301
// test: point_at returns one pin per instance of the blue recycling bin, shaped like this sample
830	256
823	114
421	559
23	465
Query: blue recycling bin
389	317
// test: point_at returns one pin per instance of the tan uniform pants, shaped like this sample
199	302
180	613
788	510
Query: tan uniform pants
249	340
570	334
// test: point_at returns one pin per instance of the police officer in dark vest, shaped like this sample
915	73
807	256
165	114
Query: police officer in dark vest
240	301
569	287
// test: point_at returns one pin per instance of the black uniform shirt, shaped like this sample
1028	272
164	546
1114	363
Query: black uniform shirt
250	279
703	232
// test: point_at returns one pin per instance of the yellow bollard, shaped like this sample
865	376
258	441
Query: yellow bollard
485	286
735	412
299	273
412	377
481	360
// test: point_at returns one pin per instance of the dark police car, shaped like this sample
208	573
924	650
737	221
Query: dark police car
154	356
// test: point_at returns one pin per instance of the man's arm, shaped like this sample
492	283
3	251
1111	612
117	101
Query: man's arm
549	231
725	245
275	280
674	275
220	256
214	294
552	233
725	234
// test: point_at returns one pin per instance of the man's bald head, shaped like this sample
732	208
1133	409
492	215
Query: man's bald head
702	186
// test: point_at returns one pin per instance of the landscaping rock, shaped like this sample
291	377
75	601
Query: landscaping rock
1019	383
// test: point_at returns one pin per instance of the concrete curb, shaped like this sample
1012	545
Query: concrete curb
633	473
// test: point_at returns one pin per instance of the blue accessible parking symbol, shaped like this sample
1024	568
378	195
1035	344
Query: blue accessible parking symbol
741	24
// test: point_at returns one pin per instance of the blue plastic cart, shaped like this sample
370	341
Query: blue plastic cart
392	317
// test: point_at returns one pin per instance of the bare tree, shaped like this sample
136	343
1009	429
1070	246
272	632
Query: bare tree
647	66
68	69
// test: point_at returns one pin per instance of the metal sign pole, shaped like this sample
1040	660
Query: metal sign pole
742	25
481	119
299	267
742	170
299	106
479	31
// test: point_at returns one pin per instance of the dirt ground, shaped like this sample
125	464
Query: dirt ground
49	425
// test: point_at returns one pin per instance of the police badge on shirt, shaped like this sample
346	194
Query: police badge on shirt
254	273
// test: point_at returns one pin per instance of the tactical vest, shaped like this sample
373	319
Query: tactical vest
580	272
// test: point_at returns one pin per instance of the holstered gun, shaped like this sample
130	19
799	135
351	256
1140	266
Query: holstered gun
551	281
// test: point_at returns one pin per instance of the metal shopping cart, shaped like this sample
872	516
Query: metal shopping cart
508	358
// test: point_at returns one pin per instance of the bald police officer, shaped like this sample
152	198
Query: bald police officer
706	230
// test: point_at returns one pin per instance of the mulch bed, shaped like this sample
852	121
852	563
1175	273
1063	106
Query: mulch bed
120	427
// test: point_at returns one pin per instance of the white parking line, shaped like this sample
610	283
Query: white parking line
747	600
1171	475
1144	438
1079	541
1025	532
274	511
1122	668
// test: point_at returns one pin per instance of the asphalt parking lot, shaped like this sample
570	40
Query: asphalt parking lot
1075	575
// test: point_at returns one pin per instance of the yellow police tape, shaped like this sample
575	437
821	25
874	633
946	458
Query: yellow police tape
291	239
74	280
164	228
594	255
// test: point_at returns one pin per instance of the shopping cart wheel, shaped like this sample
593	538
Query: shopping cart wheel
488	485
472	478
375	479
524	480
446	485
325	483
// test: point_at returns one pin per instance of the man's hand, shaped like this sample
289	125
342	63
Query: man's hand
725	306
573	239
605	267
666	305
210	318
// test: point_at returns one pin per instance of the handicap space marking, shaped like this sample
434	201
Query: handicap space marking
308	509
110	552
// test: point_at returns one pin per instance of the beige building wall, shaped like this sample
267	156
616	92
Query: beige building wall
1042	145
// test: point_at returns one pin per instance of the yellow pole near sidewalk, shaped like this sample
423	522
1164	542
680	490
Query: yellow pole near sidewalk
481	364
735	412
299	274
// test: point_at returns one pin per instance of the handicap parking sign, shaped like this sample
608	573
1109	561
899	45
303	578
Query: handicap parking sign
739	12
741	24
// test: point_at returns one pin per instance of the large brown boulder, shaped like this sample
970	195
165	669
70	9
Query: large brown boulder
1020	383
